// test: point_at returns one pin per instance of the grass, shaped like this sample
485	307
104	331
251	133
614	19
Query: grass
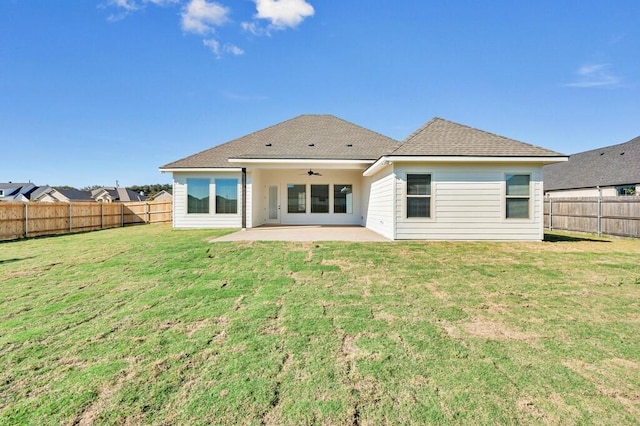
146	325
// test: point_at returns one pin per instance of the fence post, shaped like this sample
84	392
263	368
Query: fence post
599	216
599	210
146	210
121	215
26	220
101	216
550	214
70	220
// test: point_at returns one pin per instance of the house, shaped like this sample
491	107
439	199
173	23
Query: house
610	171
109	194
49	194
162	196
446	181
20	192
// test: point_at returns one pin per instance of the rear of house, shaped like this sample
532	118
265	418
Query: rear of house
444	182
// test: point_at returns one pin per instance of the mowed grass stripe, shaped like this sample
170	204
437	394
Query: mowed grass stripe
147	325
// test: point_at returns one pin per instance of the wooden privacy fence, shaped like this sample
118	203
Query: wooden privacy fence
606	215
23	220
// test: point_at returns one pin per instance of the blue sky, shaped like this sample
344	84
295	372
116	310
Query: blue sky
97	91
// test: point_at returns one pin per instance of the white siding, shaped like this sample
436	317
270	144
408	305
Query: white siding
468	203
379	200
609	191
182	219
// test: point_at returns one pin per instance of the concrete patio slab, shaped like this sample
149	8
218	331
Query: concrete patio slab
304	233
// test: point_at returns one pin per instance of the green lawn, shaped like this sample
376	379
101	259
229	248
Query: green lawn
154	326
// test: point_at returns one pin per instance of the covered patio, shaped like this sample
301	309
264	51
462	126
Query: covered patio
304	233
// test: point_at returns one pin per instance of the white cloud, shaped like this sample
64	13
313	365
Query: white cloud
162	2
213	45
284	13
255	29
204	16
200	16
128	5
233	49
595	75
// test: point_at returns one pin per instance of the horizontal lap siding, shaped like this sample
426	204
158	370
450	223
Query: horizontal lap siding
379	211
468	204
182	219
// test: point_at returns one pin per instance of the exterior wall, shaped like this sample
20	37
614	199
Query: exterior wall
282	178
468	203
607	191
182	219
379	195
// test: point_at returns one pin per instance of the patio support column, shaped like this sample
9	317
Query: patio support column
244	198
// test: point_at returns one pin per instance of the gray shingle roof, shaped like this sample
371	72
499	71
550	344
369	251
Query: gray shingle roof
608	166
445	138
303	137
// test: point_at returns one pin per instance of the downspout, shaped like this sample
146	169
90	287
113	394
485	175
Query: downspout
244	198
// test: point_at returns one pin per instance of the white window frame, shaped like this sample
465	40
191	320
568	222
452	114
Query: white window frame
406	196
506	197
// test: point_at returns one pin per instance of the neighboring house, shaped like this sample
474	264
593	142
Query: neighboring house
610	171
446	181
162	196
47	194
111	194
11	191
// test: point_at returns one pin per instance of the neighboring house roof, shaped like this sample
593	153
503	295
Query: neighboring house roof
12	191
305	137
40	191
445	138
118	194
76	194
162	195
12	188
609	166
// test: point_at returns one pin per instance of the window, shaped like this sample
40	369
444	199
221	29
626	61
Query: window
296	198
226	196
620	190
319	198
518	194
342	199
418	195
197	195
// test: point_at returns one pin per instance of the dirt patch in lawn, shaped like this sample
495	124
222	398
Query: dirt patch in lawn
492	330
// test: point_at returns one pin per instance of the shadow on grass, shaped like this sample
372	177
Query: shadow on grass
559	238
2	262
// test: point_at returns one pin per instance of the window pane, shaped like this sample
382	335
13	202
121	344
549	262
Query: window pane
342	199
296	198
227	196
517	208
319	198
418	207
517	184
197	195
418	184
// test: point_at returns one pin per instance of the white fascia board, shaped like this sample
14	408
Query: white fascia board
201	169
296	163
476	159
377	166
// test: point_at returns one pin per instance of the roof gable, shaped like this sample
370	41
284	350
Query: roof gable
609	166
304	137
445	138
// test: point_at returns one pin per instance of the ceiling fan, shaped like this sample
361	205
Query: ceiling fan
312	173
